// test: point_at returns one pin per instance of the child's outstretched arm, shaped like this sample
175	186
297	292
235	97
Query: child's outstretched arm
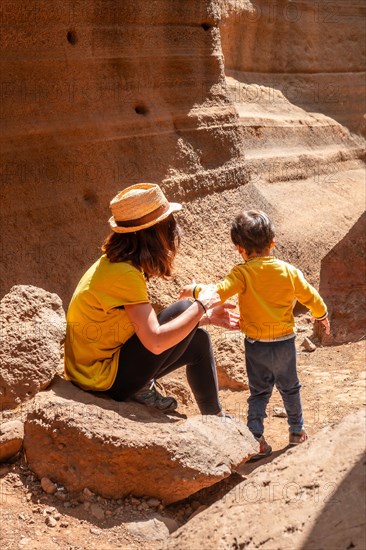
307	295
222	315
232	284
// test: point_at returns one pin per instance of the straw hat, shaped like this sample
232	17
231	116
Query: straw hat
138	207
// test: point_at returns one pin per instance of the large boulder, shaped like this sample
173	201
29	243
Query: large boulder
114	449
310	498
32	330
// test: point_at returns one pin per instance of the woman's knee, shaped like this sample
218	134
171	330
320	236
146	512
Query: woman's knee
201	342
174	310
203	336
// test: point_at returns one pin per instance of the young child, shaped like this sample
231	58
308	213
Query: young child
267	289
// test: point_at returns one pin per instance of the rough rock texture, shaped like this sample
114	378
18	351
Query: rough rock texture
80	440
11	439
343	285
315	493
32	331
179	390
148	530
97	95
230	362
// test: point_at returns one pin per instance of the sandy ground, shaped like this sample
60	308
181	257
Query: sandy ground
333	380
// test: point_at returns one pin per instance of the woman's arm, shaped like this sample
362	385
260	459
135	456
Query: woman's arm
158	338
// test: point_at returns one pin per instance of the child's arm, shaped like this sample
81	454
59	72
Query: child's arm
308	296
191	291
232	284
220	316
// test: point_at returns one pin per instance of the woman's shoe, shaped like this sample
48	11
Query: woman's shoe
297	438
149	396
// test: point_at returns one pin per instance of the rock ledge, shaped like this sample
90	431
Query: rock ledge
115	449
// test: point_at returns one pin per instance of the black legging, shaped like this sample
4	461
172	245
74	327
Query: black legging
137	365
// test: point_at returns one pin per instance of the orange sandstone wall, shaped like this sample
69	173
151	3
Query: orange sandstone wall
96	95
313	52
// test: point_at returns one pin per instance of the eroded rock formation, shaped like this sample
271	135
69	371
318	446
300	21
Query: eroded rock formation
126	448
314	492
97	95
32	324
343	285
230	362
311	52
296	74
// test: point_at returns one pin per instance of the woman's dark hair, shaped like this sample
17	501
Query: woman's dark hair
153	249
252	230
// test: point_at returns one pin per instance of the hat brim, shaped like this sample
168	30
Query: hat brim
173	207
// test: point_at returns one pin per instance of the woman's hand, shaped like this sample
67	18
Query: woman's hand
209	296
222	316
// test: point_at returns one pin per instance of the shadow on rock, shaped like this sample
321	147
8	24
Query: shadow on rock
341	523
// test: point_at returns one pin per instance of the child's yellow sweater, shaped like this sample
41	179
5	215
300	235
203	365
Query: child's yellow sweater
267	289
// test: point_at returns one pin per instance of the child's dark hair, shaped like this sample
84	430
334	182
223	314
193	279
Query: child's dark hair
252	230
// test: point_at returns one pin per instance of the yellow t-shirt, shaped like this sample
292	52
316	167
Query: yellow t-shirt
97	323
267	289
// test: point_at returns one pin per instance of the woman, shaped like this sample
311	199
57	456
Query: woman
115	343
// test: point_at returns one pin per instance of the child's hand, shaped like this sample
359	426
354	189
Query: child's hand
324	322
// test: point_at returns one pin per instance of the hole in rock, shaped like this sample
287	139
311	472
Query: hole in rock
141	109
90	197
206	26
72	38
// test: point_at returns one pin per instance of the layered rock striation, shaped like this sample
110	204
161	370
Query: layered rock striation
98	95
312	52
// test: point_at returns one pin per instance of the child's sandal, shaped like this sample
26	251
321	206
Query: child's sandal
297	438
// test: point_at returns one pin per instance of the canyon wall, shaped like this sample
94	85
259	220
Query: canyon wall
295	71
225	103
97	95
343	285
312	52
